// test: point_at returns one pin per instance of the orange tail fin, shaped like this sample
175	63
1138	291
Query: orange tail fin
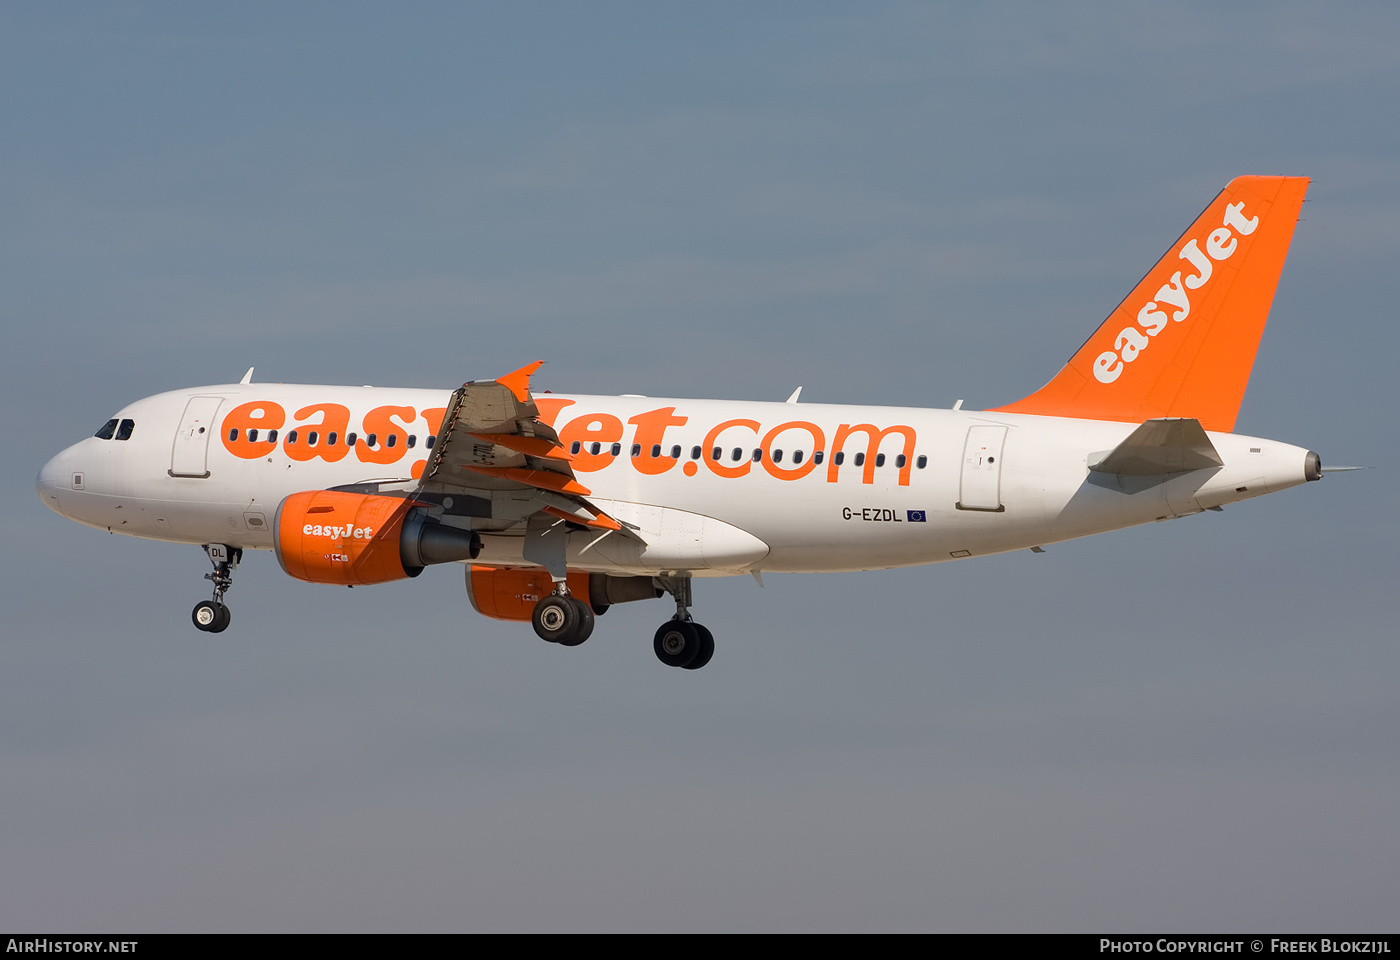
1183	342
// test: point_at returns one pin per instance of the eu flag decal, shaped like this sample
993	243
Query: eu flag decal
917	516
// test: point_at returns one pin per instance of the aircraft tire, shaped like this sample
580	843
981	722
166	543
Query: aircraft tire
221	624
706	651
677	643
560	619
206	616
584	629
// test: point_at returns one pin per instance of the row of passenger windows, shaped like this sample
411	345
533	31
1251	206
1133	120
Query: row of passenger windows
116	430
739	453
313	437
121	430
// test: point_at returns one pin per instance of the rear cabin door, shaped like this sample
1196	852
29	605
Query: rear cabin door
981	469
190	455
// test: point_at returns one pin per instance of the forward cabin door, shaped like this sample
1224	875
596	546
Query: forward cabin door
981	469
189	456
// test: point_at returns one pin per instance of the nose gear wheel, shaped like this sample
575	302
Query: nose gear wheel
211	616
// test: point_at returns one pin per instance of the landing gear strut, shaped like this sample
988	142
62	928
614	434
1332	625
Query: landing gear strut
212	616
681	642
563	619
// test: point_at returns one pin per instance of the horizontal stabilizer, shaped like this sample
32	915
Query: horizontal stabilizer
1160	447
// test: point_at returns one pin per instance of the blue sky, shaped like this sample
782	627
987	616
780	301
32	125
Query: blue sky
1188	726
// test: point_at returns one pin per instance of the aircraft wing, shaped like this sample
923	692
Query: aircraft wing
493	442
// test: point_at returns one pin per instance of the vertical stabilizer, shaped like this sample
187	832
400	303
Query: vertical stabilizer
1183	341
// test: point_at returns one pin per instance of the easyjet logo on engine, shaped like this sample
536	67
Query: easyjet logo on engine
1152	317
336	533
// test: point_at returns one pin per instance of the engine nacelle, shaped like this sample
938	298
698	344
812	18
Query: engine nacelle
329	536
510	593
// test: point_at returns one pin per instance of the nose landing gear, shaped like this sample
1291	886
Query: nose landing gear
212	616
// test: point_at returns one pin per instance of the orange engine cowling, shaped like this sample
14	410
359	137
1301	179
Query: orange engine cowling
510	593
330	536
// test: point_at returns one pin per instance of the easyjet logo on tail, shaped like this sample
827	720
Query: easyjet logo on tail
1174	295
1187	344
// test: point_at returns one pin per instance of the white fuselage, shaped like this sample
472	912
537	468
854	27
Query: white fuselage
912	486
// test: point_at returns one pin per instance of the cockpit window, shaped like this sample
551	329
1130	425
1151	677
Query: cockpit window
108	428
124	431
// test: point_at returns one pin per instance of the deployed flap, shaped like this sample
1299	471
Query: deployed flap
1159	447
492	439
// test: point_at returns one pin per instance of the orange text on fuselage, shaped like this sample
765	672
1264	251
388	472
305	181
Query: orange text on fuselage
729	449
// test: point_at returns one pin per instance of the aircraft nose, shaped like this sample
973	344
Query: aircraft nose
48	482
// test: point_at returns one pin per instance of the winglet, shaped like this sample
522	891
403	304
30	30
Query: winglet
518	381
1183	342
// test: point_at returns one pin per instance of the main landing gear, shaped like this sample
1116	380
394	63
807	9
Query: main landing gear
563	619
212	616
681	642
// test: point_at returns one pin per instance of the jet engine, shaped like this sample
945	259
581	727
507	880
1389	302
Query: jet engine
330	536
510	593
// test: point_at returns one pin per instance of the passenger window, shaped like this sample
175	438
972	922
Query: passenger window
292	436
412	440
232	434
695	453
272	436
330	439
124	431
349	438
595	448
921	462
636	449
737	454
899	461
797	456
616	449
777	456
372	439
655	450
840	457
860	459
431	440
311	439
714	454
575	447
819	456
676	452
879	459
106	431
393	439
757	455
253	435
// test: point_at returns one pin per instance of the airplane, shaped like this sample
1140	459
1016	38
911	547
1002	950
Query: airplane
560	506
